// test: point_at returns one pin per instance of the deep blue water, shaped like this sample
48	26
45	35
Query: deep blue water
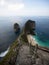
7	35
42	30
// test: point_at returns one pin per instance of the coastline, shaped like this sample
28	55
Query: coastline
33	42
40	43
11	56
4	53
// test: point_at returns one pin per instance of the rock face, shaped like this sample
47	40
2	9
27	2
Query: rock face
16	28
22	53
30	27
23	57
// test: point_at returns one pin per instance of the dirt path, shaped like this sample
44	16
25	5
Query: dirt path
24	57
28	55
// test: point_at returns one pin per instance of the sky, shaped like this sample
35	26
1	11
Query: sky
24	7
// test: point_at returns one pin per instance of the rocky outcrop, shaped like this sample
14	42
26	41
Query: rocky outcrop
26	53
16	28
22	53
30	27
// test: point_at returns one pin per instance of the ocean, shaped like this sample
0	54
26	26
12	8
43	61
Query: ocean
42	31
8	36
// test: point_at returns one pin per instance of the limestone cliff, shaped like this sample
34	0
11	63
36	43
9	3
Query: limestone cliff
26	52
16	28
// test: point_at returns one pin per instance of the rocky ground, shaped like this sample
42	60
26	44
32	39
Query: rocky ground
23	53
27	56
24	57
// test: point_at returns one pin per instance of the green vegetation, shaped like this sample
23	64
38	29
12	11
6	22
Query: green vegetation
24	38
10	58
13	51
10	54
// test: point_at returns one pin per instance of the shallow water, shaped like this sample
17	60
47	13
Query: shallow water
40	42
7	35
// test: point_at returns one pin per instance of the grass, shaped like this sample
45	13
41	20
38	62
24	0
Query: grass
24	38
10	54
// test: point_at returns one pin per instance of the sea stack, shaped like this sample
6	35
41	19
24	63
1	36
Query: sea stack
30	27
16	28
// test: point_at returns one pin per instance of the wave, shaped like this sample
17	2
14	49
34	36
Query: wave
4	53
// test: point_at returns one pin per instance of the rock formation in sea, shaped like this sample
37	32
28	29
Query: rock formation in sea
30	27
16	28
26	53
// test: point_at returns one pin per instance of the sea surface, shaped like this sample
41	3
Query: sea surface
42	31
8	36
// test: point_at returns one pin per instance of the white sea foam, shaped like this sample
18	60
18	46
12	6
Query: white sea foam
4	53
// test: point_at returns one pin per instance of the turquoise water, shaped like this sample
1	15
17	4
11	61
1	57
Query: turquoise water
41	43
7	35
